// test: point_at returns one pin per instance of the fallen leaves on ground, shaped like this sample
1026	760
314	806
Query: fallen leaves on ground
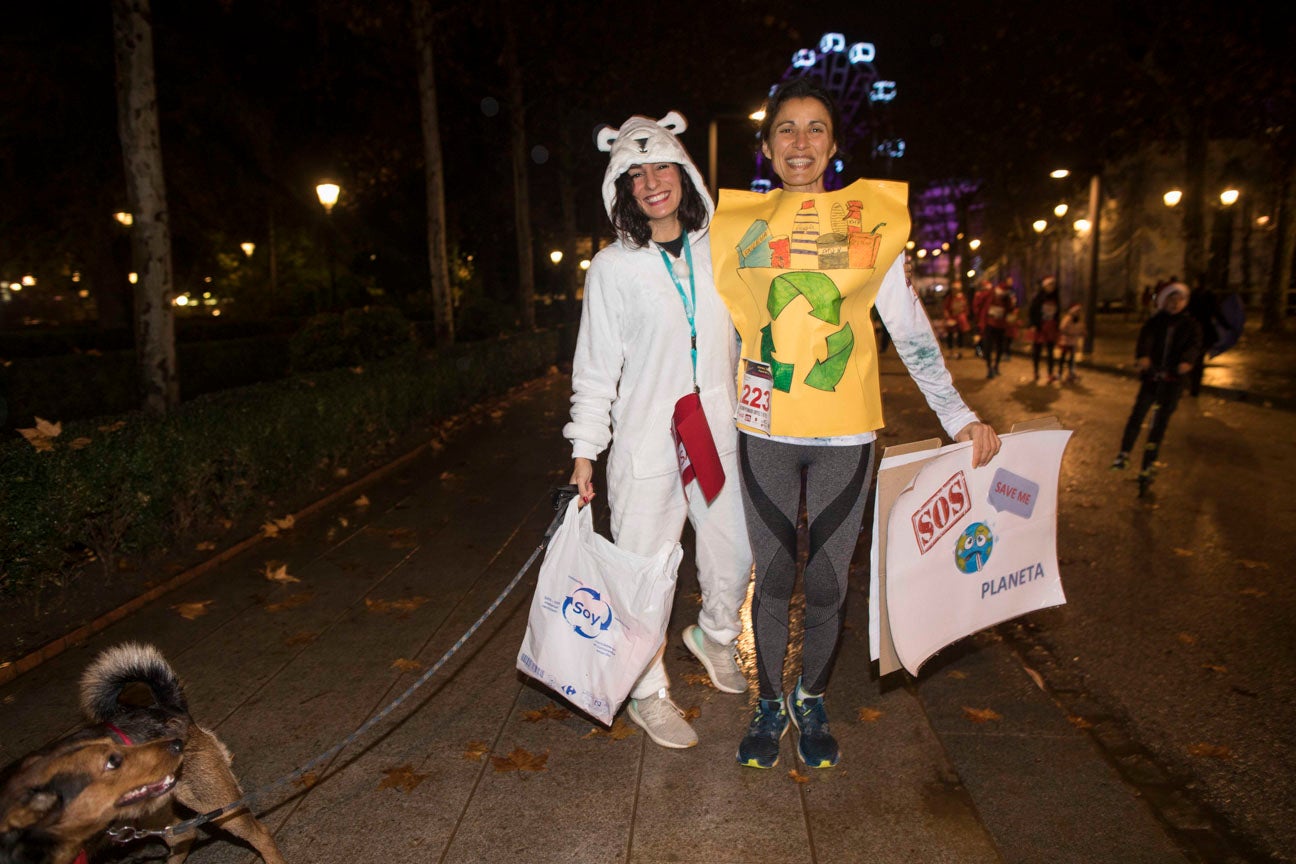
1210	751
476	751
956	674
981	715
692	712
1183	553
307	780
403	777
193	609
696	678
1215	667
1079	722
447	475
1186	638
867	715
798	777
42	435
361	502
206	546
113	427
618	731
79	443
292	601
276	571
1253	565
274	527
549	712
408	604
520	760
302	637
1254	592
407	665
342	473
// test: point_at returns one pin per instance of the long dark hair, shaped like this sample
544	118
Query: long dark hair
629	220
799	88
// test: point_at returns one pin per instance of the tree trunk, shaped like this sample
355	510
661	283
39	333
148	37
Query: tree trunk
434	178
137	124
521	195
567	207
1280	273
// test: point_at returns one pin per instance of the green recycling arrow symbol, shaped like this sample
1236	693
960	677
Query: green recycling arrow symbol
827	372
825	304
781	372
825	299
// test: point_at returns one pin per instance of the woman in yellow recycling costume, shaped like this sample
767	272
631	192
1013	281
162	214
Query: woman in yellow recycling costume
800	268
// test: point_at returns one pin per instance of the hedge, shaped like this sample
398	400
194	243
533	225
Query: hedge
135	484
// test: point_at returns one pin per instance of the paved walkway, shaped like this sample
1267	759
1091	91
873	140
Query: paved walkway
483	766
1261	368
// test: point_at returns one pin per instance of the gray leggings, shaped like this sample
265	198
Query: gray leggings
836	480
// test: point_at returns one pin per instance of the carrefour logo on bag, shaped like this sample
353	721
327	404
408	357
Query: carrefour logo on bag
587	612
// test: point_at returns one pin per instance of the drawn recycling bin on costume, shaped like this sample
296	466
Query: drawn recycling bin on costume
799	274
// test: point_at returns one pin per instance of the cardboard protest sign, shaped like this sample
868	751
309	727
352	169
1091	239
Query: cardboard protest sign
957	549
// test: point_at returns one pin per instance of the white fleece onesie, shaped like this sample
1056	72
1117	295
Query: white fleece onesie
632	363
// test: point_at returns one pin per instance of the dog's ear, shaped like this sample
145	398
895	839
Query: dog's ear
35	806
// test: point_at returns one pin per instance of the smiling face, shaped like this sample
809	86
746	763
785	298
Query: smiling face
658	190
800	144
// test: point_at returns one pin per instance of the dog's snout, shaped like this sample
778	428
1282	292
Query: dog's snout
176	746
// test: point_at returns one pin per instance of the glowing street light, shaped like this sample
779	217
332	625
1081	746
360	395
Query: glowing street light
1060	174
585	264
29	280
132	277
124	218
758	115
1039	225
1082	226
556	256
974	244
1060	210
248	248
328	195
1229	197
1172	198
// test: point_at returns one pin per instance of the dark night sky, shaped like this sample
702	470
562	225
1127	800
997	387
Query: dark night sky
260	97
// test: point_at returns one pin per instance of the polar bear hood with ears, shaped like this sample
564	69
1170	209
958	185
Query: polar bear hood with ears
642	140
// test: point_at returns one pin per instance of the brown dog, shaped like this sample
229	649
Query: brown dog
129	764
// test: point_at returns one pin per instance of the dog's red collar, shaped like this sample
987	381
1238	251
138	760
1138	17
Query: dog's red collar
125	739
82	858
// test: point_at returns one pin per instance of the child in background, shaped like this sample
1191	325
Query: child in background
1071	335
1168	345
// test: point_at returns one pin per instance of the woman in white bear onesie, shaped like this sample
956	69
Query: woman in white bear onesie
645	296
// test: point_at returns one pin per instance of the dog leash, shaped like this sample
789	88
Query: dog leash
129	833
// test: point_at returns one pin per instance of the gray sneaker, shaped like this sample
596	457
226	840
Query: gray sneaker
662	721
717	658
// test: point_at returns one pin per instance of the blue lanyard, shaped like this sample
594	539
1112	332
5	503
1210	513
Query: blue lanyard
690	302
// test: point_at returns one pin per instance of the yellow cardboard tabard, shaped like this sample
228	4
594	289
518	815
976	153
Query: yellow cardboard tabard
800	274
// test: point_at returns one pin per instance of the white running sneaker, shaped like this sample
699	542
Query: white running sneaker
662	720
718	659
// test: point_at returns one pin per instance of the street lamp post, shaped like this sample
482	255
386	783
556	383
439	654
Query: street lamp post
1091	295
713	145
328	193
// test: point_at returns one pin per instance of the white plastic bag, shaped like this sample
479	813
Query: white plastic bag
598	615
